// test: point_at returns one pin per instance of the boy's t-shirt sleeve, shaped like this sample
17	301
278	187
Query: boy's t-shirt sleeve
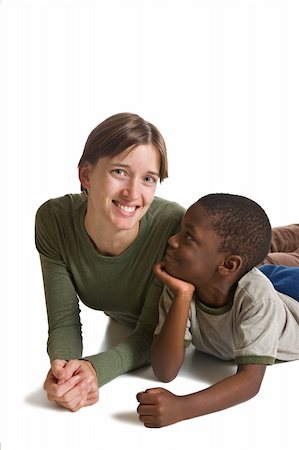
256	336
265	324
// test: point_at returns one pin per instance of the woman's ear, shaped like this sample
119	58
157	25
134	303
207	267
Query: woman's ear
231	265
84	172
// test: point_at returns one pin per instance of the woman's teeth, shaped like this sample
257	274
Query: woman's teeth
125	208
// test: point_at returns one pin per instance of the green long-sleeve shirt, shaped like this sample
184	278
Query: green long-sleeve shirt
124	286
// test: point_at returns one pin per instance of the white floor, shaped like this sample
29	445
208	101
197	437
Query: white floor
30	422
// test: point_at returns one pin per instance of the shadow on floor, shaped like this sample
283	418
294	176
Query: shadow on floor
206	368
38	399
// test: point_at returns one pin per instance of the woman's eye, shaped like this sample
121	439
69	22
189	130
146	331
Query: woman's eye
150	179
118	171
188	236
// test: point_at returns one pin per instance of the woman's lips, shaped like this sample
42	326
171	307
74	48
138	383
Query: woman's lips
125	208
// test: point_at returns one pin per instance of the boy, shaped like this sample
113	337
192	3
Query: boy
215	297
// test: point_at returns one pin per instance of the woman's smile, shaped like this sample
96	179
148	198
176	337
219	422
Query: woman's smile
125	208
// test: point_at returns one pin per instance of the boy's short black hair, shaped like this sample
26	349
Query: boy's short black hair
242	224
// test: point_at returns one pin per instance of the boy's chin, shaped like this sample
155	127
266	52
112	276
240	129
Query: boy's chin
171	271
167	268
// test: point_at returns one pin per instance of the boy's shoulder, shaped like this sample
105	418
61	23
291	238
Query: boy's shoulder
252	276
259	287
256	284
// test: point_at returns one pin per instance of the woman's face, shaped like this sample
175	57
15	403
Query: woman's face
121	188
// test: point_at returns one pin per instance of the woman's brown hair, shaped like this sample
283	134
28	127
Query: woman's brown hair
121	132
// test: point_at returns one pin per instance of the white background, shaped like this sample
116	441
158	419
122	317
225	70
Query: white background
220	80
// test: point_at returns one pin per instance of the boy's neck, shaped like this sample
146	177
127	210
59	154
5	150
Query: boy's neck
217	296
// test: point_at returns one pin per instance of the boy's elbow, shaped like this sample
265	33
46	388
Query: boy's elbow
256	388
165	372
164	375
253	378
164	368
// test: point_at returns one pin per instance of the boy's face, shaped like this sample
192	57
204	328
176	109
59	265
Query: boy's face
193	254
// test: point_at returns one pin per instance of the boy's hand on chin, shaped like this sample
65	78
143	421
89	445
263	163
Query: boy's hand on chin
176	285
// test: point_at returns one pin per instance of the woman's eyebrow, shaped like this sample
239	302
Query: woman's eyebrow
127	166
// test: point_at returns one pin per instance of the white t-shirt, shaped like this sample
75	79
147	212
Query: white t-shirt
260	325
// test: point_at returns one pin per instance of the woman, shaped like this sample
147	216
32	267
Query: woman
100	246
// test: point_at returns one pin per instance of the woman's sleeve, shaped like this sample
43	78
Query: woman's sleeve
133	352
64	326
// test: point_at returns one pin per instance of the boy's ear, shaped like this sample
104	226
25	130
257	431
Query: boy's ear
84	175
231	265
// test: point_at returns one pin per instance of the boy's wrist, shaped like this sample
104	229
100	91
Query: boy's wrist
183	297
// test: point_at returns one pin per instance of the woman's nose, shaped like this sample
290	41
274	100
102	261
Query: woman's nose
132	190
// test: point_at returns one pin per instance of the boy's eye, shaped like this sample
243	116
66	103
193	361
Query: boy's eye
188	236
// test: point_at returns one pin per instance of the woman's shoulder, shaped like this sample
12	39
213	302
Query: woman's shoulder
60	209
62	204
163	207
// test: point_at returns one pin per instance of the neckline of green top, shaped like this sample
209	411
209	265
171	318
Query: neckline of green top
145	224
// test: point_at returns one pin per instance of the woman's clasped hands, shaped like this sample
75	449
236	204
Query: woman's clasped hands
72	384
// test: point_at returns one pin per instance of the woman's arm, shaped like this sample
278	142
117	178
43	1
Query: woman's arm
64	326
133	351
63	312
70	382
159	407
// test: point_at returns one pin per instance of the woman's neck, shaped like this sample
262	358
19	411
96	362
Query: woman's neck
107	240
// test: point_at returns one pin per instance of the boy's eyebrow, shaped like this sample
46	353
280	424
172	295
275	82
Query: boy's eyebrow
192	228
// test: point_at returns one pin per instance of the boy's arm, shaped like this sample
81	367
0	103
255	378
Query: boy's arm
168	349
159	407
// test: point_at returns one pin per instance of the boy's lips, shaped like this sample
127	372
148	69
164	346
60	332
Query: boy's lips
170	256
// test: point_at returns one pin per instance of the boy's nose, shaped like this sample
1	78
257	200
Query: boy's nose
173	242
